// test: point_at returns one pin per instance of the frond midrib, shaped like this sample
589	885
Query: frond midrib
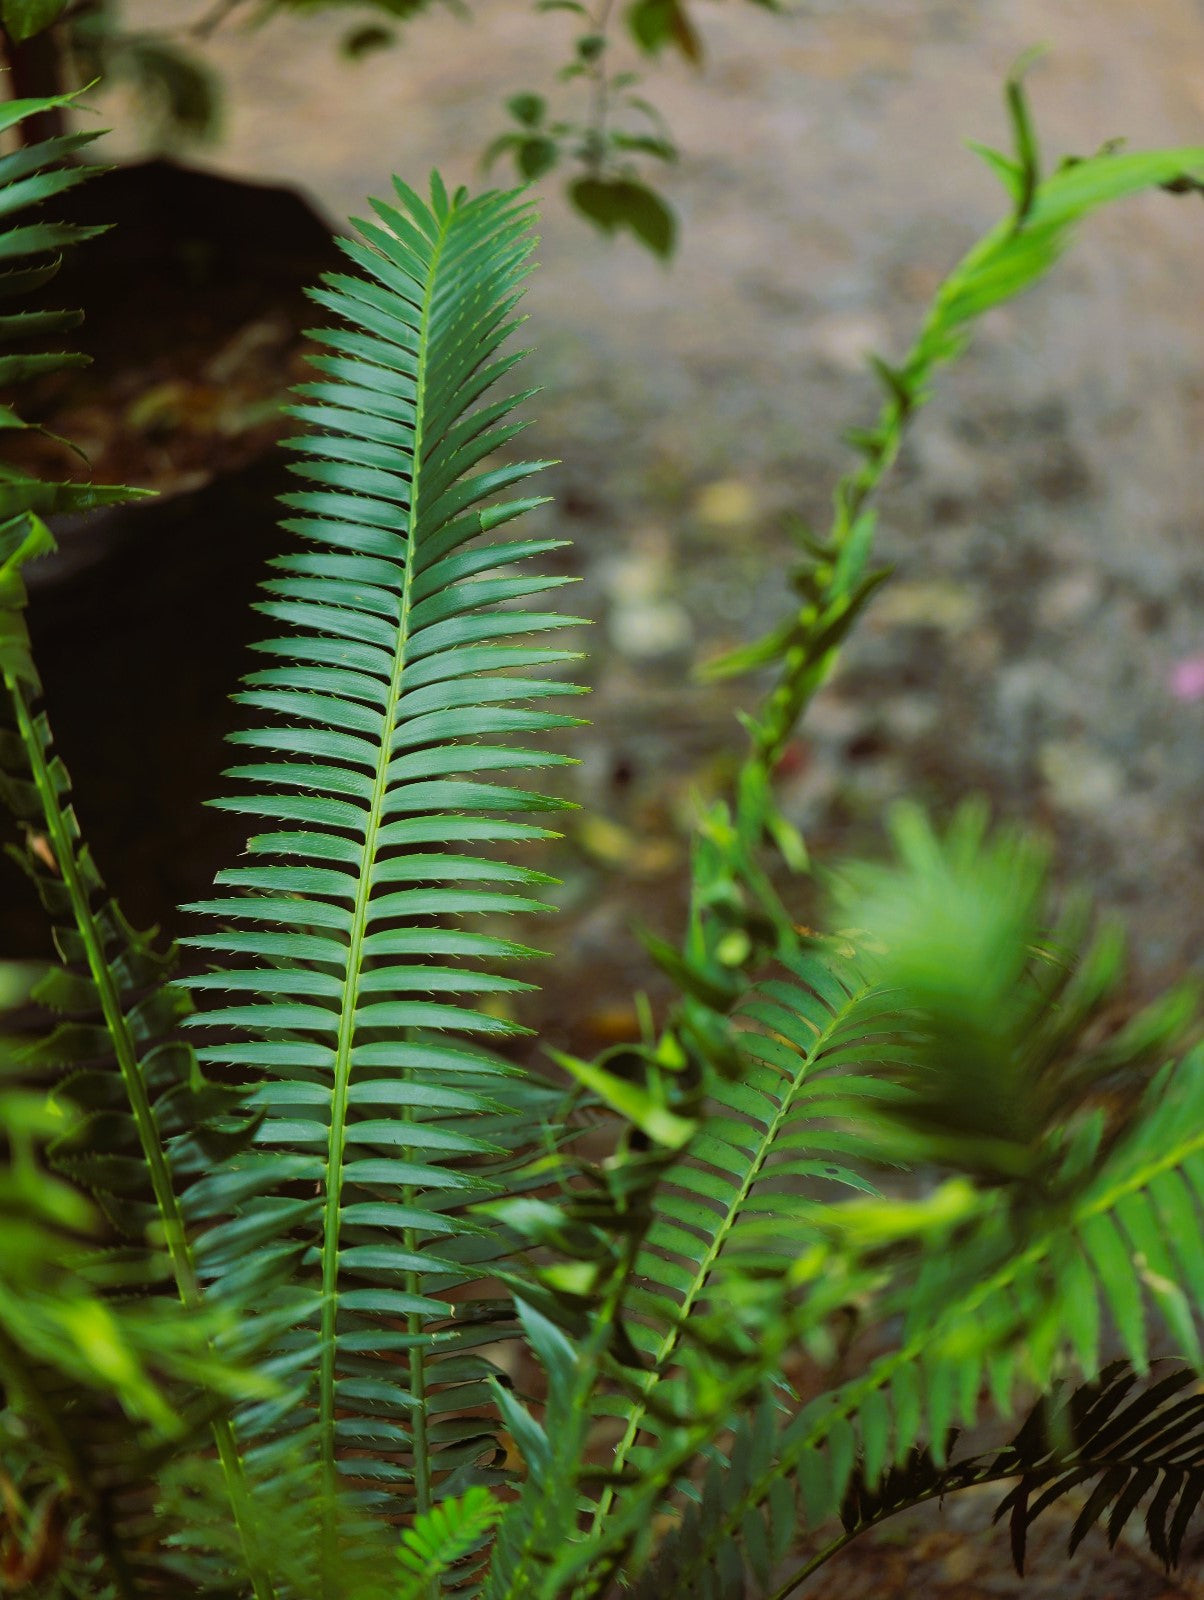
350	1000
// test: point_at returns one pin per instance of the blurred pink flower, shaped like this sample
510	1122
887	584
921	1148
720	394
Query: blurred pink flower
1187	678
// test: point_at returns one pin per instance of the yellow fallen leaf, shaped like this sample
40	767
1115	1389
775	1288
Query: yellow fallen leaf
725	503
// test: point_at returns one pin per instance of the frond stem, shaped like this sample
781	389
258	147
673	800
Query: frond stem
595	143
110	1001
792	1584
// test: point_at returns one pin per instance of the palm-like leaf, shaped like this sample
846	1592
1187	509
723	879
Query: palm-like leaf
967	1009
1133	1442
1130	1441
391	707
30	256
1000	1306
783	1124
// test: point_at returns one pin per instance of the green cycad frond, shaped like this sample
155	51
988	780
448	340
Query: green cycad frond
392	706
981	1034
149	1124
208	1552
30	257
761	1541
994	1012
542	1523
784	1122
654	1241
109	989
991	1301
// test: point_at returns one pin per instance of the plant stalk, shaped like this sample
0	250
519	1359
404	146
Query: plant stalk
175	1236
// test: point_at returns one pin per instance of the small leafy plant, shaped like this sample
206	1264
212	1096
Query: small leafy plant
342	1300
607	136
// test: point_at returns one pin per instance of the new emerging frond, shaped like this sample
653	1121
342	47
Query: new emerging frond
443	1538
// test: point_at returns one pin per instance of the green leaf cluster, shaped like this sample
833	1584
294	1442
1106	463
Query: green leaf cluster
22	19
620	127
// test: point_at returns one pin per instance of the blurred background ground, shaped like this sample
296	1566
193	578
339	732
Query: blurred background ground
952	1552
1044	521
1037	641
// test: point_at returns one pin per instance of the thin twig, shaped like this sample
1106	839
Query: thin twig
210	21
600	99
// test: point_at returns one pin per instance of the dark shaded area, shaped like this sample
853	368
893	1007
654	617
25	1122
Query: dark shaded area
141	622
176	232
138	651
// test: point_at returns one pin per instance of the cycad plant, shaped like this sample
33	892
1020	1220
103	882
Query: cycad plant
256	1292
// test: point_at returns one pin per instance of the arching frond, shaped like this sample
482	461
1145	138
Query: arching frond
978	1031
999	1308
1122	1441
389	709
783	1124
